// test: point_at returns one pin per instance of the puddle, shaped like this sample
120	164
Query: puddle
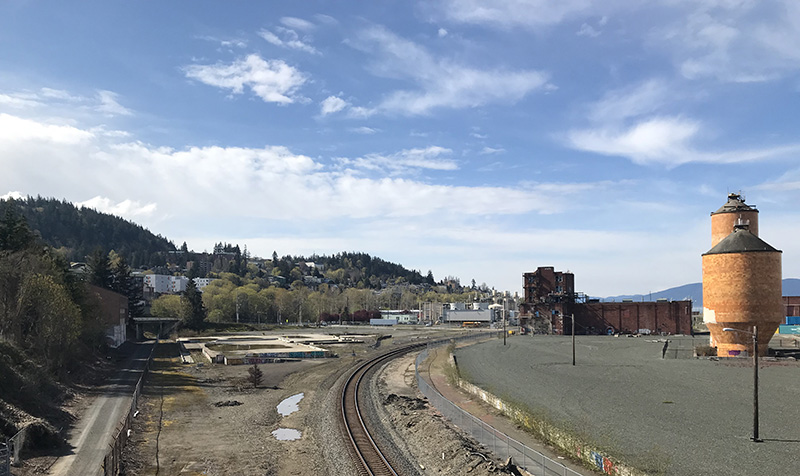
289	405
286	434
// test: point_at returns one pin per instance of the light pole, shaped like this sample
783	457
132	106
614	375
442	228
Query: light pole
755	437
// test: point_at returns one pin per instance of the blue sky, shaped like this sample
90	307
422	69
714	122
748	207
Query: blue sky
475	139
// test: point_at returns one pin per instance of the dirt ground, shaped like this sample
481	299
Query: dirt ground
206	419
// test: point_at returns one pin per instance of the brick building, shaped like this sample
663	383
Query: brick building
550	300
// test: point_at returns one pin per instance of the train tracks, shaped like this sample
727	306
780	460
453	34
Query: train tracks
371	460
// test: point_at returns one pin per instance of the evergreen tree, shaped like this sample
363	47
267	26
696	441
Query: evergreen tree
255	375
193	312
14	232
100	269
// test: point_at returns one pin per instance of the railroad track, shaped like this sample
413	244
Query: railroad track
371	459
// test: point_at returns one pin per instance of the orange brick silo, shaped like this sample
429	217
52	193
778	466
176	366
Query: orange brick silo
742	288
728	215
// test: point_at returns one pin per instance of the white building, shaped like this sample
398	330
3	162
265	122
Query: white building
201	283
163	284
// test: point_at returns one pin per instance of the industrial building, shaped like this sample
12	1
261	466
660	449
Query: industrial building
741	282
550	301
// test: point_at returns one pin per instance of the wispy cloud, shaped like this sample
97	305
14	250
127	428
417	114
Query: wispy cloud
637	123
288	39
491	150
297	23
271	80
440	83
364	130
109	105
511	13
432	158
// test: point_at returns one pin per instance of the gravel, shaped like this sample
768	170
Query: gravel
682	416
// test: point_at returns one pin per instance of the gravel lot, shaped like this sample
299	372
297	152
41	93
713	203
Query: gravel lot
691	416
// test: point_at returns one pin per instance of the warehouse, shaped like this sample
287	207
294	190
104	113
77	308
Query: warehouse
550	302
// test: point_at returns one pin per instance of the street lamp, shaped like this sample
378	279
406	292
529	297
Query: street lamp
755	437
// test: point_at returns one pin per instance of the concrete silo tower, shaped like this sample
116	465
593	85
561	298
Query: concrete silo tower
741	288
734	211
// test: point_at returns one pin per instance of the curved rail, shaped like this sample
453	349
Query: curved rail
373	462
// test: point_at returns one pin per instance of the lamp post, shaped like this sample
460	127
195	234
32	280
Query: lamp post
755	437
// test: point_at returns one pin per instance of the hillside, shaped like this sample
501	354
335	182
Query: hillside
694	291
78	231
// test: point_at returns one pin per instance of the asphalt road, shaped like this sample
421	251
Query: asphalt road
91	436
694	415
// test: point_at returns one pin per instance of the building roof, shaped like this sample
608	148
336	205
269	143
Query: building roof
740	240
735	203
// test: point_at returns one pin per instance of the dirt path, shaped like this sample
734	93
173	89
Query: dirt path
89	440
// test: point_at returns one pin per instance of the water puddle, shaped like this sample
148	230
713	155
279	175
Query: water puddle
289	405
287	434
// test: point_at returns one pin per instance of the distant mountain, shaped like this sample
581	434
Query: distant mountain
78	231
694	291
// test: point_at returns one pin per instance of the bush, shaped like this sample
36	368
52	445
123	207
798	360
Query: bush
705	351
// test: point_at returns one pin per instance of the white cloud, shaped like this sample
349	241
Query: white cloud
129	209
271	80
15	129
297	23
14	195
109	105
667	141
332	104
441	83
491	150
160	183
442	32
290	40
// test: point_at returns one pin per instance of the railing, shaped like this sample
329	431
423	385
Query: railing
113	459
502	445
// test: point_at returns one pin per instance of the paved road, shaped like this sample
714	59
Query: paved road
693	415
91	436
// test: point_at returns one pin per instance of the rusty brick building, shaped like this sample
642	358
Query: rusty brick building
550	298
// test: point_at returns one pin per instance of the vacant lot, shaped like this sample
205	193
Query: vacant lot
692	415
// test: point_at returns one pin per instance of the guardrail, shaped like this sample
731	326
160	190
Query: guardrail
498	442
113	458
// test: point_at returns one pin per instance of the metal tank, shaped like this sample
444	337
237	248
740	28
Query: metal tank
728	215
742	289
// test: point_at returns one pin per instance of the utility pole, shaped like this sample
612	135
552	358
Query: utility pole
573	339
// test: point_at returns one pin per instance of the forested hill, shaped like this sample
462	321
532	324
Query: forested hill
78	231
352	268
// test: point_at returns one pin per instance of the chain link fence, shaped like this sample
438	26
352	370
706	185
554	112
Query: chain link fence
113	459
502	445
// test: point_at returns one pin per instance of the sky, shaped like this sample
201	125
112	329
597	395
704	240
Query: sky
479	140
